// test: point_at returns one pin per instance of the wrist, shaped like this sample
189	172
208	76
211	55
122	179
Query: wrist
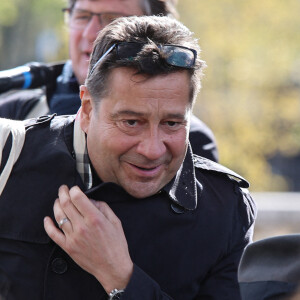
118	281
115	294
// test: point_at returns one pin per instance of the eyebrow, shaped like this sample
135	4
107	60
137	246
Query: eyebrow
127	113
140	114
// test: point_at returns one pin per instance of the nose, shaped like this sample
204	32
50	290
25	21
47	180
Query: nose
92	28
152	145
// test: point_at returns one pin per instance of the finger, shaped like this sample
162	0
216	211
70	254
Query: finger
54	233
67	206
106	211
82	202
61	218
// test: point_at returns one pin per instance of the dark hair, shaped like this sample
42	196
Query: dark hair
152	31
149	7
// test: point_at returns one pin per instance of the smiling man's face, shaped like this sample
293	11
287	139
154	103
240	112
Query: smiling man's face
81	40
137	135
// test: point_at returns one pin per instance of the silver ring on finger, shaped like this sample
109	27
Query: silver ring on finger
62	222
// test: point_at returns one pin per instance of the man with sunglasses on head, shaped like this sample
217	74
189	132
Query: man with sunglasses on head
138	215
85	18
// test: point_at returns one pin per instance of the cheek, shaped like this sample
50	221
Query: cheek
120	143
112	141
178	144
74	40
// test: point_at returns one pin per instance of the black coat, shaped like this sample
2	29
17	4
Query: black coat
185	241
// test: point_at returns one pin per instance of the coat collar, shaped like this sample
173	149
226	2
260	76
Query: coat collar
182	188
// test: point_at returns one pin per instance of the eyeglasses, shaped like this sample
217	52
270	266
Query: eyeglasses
80	18
174	55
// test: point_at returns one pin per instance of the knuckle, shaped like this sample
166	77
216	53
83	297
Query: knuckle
81	230
95	221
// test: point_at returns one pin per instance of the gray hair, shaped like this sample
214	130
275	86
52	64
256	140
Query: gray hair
149	7
151	31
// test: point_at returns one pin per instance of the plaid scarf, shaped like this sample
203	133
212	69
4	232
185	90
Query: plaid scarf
81	153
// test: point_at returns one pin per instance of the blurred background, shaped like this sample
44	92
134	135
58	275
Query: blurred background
250	94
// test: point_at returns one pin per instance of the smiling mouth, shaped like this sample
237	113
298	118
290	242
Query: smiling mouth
146	169
149	170
144	173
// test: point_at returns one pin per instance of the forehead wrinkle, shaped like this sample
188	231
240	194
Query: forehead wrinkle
161	102
160	92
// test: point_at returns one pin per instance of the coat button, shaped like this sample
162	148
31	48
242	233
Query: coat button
59	266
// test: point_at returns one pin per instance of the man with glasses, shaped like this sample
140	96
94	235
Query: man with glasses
85	18
162	223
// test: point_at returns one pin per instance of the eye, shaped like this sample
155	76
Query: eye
81	16
131	123
84	17
130	126
172	123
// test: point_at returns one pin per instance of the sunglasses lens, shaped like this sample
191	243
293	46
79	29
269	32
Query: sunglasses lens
180	57
128	50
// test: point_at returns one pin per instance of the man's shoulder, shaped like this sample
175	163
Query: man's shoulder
205	164
228	188
36	129
45	128
37	136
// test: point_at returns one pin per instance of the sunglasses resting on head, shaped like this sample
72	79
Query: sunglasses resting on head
174	55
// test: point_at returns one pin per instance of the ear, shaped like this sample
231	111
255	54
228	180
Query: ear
86	108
